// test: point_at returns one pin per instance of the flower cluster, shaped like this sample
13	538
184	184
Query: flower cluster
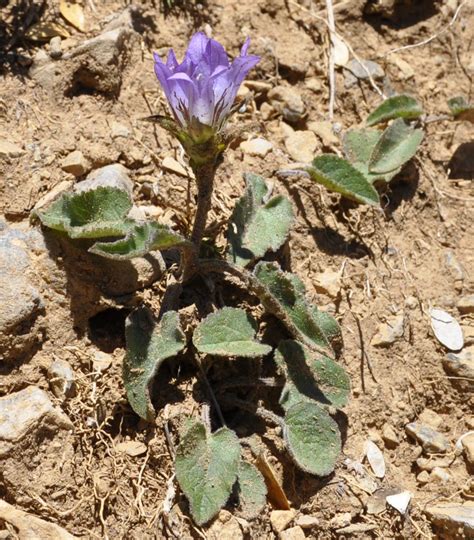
202	89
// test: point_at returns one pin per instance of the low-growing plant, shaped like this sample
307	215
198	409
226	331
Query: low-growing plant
210	464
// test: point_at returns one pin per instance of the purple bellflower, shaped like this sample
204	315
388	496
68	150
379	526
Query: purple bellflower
202	89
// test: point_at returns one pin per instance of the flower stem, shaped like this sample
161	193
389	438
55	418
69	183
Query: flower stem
205	183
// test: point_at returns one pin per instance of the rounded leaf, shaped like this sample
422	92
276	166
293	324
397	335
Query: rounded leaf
312	437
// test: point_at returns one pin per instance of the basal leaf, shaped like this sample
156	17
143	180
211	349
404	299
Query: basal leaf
358	147
251	490
229	332
397	145
141	238
310	376
329	326
288	292
148	345
257	225
96	213
339	175
206	469
358	144
312	437
461	109
395	107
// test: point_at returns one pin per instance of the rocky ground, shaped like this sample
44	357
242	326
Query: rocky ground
73	456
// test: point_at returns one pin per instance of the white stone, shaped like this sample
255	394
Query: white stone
375	459
115	175
256	147
400	501
9	149
446	329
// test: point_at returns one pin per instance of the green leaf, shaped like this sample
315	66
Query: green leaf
397	145
257	225
141	238
358	144
312	437
339	175
461	109
229	332
329	326
251	490
206	469
395	107
148	345
89	214
310	377
288	292
358	147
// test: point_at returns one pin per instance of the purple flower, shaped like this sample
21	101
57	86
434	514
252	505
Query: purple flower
202	89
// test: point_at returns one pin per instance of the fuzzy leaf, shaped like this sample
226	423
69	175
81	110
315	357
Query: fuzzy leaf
148	345
397	145
358	144
229	332
89	214
310	377
251	490
206	469
289	292
329	326
257	225
312	437
140	240
395	107
337	174
358	147
461	109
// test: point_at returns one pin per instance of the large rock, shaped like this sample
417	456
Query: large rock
24	412
115	175
461	367
455	520
36	450
21	304
95	65
431	440
30	527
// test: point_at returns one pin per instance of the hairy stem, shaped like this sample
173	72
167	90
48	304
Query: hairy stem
259	411
205	183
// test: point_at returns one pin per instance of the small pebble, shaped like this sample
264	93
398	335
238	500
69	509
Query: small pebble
55	50
423	477
75	163
280	519
440	475
256	147
390	437
302	145
62	379
431	440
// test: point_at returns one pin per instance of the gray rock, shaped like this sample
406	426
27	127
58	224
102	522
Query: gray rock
114	175
354	71
25	411
20	301
62	379
461	366
287	101
98	62
55	50
454	519
453	266
431	440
